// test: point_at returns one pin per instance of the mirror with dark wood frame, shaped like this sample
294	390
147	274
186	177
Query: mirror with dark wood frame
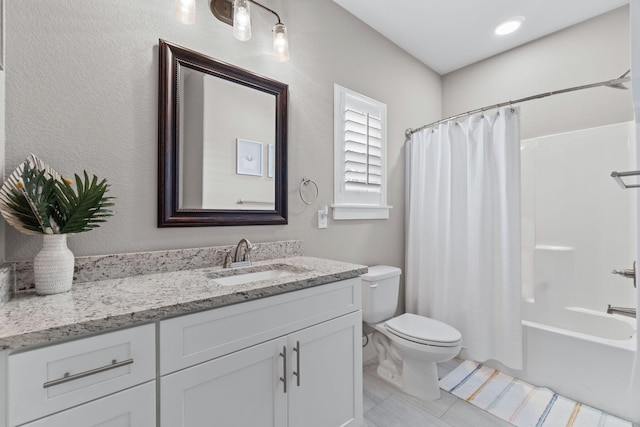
222	139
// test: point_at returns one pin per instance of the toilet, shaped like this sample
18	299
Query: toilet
408	346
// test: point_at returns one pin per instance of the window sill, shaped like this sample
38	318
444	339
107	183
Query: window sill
341	212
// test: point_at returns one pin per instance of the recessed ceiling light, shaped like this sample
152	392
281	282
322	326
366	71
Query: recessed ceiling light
509	26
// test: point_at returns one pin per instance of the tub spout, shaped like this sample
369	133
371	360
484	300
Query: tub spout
625	311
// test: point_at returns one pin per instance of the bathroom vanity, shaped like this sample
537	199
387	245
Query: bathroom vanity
181	349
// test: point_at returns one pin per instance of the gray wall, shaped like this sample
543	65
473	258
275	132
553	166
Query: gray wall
593	51
81	93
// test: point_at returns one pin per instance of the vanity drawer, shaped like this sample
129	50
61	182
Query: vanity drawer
132	407
50	379
196	338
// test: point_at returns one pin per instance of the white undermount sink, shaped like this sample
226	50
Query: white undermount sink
257	276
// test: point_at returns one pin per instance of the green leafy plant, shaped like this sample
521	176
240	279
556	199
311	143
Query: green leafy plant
35	199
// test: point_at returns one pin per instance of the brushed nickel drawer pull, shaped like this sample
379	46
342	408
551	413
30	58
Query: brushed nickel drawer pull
68	377
297	372
283	378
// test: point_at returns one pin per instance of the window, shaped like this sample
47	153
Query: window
360	150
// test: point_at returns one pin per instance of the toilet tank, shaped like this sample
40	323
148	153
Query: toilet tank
380	287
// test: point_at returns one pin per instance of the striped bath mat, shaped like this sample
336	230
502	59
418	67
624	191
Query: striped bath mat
519	403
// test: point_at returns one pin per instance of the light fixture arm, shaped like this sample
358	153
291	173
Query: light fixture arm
267	9
224	10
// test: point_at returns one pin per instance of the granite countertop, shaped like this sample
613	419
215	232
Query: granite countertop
29	319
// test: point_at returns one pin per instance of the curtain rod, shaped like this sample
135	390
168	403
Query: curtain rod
614	83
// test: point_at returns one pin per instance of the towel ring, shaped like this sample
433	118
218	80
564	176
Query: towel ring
307	181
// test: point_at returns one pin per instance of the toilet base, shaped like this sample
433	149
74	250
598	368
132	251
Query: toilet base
389	372
420	379
417	379
408	366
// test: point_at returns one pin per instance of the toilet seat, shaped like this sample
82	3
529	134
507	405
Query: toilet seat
423	330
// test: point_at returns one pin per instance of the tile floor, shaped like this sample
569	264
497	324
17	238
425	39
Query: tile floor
386	406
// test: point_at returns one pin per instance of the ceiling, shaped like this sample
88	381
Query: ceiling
449	34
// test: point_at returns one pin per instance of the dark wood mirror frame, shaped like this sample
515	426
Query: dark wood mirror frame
169	213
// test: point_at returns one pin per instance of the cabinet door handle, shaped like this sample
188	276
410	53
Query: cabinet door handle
68	377
283	378
297	372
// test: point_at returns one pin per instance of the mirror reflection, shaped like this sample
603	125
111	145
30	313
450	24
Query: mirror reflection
227	148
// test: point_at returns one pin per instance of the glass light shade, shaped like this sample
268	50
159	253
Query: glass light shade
241	20
185	11
280	43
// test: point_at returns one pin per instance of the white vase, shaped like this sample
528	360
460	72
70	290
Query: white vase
53	266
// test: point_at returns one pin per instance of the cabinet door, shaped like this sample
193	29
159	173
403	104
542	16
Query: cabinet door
135	407
326	380
237	390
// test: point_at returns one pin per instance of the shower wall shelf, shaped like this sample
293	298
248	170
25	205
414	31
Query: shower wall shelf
619	175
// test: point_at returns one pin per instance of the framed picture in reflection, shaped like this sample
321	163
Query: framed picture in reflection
249	157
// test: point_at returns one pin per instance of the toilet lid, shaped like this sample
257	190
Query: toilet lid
423	330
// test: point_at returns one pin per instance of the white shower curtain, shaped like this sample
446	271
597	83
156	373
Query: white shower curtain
463	232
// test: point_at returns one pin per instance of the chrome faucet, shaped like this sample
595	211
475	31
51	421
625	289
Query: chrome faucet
242	259
631	312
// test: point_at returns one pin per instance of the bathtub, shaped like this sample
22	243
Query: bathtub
582	354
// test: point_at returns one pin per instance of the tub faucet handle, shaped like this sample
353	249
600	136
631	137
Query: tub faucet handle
628	273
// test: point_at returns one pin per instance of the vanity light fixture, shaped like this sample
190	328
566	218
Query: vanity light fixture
280	42
238	14
242	20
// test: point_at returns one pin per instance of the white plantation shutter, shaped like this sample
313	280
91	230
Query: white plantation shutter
363	151
360	156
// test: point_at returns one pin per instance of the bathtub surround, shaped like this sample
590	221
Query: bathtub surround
463	231
577	224
117	266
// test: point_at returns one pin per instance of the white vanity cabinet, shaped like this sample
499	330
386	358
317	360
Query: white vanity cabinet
293	360
105	380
